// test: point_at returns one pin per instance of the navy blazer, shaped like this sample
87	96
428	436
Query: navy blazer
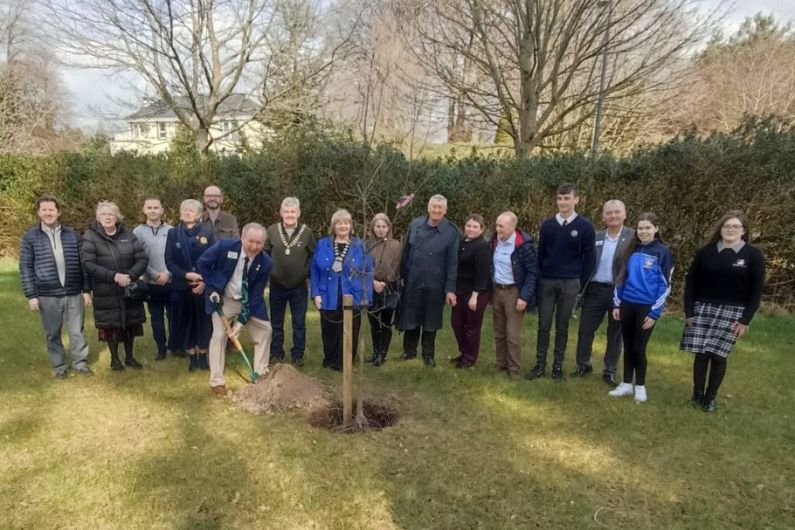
217	265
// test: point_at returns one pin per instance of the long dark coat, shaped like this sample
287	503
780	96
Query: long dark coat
103	256
429	268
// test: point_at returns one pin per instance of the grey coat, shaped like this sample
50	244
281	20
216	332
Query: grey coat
429	268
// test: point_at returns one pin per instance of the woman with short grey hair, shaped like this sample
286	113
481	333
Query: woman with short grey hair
115	259
191	326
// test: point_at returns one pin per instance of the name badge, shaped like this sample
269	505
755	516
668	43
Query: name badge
599	243
232	254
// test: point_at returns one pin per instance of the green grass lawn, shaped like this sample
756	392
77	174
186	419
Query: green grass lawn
154	448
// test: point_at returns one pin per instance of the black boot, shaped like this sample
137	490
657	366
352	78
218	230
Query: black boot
697	400
709	404
429	362
115	363
380	359
202	361
193	363
130	361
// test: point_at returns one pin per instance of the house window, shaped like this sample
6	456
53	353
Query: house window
161	130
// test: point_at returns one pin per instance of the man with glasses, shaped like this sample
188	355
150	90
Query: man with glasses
223	224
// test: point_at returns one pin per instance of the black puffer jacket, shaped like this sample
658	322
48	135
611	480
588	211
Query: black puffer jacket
103	256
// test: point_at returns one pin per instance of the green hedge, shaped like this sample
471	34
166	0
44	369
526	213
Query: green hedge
689	183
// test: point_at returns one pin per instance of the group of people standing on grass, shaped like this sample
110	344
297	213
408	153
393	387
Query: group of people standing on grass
203	280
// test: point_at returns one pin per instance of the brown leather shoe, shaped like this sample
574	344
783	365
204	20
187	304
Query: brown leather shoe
219	390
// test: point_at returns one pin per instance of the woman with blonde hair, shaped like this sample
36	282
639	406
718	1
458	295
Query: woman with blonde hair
340	266
115	260
385	251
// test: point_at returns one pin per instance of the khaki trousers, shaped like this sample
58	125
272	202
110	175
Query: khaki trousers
507	329
260	331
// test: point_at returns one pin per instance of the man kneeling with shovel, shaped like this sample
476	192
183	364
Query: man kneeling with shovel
235	272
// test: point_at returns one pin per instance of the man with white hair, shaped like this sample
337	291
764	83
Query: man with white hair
515	273
429	267
223	224
235	272
597	299
290	245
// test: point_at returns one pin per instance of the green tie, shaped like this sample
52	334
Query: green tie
244	294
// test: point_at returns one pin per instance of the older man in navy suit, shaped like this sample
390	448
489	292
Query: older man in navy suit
597	298
235	272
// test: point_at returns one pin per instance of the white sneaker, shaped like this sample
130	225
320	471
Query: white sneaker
624	389
640	394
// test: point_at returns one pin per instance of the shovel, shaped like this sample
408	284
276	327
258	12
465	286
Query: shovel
252	375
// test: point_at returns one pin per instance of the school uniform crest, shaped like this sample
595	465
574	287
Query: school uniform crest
574	233
739	263
648	263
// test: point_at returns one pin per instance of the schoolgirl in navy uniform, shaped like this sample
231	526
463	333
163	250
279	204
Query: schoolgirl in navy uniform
639	297
723	290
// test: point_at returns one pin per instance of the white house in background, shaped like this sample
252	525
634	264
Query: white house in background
153	127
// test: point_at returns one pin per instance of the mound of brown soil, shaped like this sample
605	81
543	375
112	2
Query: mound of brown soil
283	388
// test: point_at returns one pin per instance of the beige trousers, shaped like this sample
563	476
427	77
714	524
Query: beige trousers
260	331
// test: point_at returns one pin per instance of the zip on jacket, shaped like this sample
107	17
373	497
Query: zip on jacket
647	279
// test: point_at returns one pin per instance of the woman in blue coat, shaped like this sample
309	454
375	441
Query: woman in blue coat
191	326
641	289
340	266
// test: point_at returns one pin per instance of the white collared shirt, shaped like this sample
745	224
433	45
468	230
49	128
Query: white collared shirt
234	288
604	269
560	218
737	247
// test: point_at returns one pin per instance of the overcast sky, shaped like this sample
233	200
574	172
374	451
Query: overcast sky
96	94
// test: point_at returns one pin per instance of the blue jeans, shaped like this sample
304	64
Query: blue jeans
159	307
297	298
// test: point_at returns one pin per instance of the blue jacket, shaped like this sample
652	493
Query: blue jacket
524	262
648	278
38	270
218	264
326	283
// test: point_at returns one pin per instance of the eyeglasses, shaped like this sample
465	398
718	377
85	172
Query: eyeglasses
732	227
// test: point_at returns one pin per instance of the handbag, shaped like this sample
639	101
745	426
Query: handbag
137	291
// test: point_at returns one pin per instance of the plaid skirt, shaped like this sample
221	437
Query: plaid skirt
711	331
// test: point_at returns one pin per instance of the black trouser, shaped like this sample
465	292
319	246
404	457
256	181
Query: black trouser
159	305
331	329
635	340
381	329
411	338
556	296
598	300
717	369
